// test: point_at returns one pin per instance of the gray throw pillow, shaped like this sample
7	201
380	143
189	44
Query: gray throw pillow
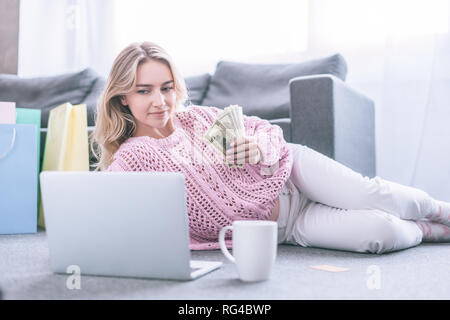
197	87
45	93
263	89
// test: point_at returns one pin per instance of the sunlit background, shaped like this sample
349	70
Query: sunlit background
397	53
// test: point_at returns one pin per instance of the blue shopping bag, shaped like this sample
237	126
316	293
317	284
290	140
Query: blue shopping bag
18	178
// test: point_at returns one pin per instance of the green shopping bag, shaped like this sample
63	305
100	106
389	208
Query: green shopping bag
31	116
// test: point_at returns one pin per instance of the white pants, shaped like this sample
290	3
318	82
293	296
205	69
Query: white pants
326	204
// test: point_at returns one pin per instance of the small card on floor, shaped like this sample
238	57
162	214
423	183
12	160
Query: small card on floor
325	267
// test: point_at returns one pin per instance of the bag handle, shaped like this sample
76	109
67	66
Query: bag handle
13	140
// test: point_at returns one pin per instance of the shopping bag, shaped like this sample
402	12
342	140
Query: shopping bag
66	144
18	178
32	116
7	112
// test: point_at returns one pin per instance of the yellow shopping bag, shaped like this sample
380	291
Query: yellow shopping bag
66	144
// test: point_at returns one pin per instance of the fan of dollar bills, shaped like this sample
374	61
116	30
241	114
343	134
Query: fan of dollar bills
228	126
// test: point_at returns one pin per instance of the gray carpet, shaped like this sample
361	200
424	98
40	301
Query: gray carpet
418	273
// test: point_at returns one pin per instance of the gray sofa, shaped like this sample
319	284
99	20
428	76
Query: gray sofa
309	100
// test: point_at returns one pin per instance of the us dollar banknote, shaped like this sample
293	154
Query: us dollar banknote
228	126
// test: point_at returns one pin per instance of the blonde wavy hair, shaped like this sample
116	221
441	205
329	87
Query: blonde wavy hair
114	122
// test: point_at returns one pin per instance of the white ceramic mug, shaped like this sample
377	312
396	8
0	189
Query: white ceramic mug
254	248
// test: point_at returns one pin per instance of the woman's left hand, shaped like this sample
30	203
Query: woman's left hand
244	150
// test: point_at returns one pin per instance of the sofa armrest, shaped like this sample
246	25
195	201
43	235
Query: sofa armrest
332	118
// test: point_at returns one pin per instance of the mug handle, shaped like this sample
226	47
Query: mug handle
223	247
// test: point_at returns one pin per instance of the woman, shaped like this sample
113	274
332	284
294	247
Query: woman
142	125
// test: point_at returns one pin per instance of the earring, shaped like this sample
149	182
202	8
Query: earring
123	101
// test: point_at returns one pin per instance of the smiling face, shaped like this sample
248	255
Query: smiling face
153	100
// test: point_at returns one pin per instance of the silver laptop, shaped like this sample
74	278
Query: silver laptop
128	224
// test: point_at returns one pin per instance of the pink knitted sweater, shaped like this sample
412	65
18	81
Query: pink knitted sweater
216	195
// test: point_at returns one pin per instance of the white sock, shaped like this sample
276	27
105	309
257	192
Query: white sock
441	214
433	231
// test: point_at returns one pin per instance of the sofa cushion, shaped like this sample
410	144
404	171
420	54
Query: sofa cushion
46	93
197	87
263	89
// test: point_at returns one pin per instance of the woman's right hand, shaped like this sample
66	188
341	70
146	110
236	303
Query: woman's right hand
244	150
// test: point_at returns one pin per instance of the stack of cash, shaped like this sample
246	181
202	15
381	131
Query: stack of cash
228	126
